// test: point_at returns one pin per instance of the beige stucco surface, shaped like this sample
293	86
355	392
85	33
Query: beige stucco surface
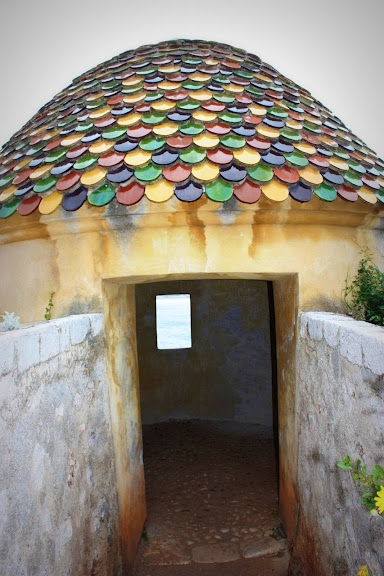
70	254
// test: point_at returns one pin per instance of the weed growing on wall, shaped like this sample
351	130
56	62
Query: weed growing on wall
47	314
363	295
10	321
373	499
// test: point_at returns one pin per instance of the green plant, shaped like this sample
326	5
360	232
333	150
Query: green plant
10	321
47	314
363	295
374	482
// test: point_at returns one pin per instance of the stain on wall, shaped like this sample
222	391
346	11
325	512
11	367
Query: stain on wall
226	375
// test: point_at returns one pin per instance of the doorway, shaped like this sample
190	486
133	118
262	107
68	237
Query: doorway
125	373
209	412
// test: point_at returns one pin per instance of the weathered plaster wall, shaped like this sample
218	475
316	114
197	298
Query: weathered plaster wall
340	411
58	499
286	296
123	374
75	251
226	375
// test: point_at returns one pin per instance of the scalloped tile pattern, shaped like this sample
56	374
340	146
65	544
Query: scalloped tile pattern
185	119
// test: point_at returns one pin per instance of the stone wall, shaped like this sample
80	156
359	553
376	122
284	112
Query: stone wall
58	497
340	411
58	503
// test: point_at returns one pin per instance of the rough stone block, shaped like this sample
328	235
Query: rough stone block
169	552
331	331
79	327
260	548
8	392
64	325
350	344
342	318
315	327
212	553
28	348
324	323
7	352
97	324
373	351
49	342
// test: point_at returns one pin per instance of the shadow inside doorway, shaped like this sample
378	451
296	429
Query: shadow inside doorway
219	380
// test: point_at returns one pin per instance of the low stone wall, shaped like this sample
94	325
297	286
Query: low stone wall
340	411
58	504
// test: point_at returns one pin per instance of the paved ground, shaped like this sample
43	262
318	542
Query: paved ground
212	502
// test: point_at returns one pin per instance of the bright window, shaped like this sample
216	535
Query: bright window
173	321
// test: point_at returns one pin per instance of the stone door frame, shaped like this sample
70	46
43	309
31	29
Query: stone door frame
124	392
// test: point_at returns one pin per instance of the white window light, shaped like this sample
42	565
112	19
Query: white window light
173	321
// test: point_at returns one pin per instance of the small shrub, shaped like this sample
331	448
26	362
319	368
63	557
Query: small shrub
374	483
364	294
10	321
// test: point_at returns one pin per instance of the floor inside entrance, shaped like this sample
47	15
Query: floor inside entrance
212	503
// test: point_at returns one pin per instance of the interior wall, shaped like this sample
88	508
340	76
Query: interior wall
226	375
120	324
286	296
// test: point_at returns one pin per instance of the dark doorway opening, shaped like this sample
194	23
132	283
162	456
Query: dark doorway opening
228	372
209	418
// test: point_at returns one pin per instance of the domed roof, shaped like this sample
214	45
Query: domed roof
184	118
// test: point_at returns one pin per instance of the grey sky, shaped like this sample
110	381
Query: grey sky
333	48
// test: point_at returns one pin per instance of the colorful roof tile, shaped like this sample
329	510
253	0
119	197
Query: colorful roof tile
185	119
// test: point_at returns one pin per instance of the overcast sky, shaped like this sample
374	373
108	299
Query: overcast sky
333	48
